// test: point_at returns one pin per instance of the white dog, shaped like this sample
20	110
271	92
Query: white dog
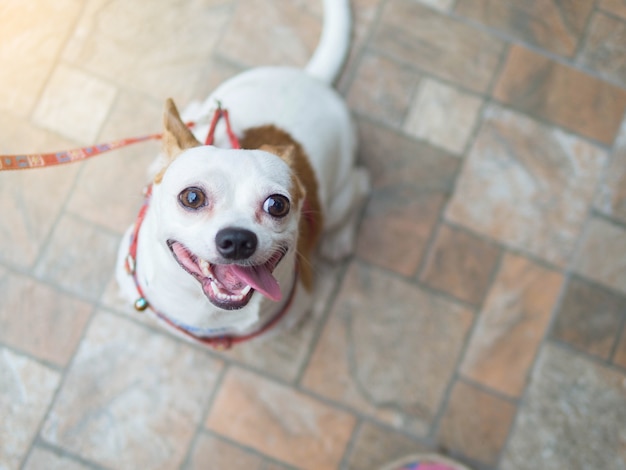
223	245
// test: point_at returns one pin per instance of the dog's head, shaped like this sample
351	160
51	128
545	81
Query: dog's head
227	216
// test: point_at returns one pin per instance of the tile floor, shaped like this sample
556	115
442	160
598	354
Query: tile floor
483	314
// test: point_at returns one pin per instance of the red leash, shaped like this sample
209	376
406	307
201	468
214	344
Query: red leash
41	160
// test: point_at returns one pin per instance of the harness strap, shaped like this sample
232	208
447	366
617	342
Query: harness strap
222	113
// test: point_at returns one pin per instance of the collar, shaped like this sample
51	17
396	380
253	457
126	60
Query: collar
219	342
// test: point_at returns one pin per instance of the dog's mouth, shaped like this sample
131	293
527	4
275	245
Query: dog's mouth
230	286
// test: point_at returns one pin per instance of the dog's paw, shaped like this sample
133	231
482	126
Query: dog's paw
338	245
339	242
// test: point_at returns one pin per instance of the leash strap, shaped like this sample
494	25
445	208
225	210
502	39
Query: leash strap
37	160
42	160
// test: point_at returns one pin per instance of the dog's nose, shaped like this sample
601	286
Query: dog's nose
236	243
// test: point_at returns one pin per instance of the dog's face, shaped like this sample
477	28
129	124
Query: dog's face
228	218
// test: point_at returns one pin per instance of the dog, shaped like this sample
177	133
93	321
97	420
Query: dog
224	245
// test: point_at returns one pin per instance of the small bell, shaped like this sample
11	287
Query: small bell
141	304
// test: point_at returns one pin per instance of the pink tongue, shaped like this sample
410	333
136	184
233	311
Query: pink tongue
260	279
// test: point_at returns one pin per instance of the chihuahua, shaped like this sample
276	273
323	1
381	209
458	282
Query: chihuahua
224	245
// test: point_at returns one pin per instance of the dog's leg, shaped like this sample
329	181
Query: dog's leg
342	217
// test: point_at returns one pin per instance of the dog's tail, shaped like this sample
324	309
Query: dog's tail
332	50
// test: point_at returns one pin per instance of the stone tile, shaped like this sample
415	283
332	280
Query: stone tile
549	24
79	258
31	38
375	353
437	44
442	115
278	32
460	264
527	185
74	104
443	5
619	357
126	169
30	201
475	423
376	446
603	50
382	89
512	325
131	399
212	453
36	319
565	96
573	416
163	57
617	7
601	254
279	421
411	182
364	16
26	389
41	458
611	195
214	73
590	318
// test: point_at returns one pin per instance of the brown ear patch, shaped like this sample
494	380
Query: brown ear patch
276	141
176	136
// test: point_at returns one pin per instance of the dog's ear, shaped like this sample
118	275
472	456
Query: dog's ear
176	135
287	153
176	138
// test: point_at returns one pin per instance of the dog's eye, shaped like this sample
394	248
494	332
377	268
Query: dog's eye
276	206
192	198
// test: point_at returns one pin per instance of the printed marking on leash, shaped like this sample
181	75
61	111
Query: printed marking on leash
43	160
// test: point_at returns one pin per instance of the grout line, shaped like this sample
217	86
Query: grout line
60	452
39	360
621	335
582	39
204	414
350	446
428	250
47	239
584	355
50	284
598	214
58	60
55	395
530	372
247	449
351	73
598	9
464	348
497	73
489	391
321	323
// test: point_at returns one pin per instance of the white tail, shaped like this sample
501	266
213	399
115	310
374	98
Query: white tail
332	50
